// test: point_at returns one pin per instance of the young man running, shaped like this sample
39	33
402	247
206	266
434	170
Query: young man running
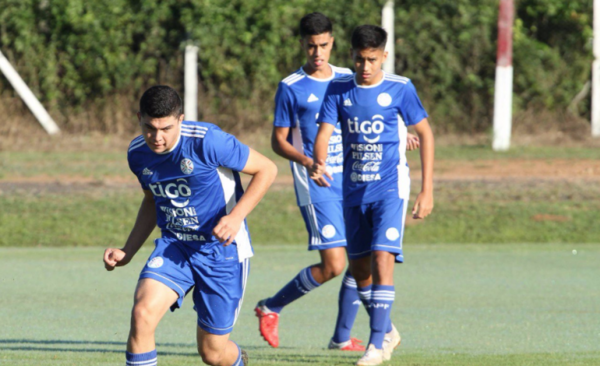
375	109
297	104
192	191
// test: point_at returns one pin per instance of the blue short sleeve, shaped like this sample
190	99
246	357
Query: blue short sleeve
285	107
137	172
411	109
223	149
329	109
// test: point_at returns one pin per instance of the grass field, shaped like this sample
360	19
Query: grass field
112	163
473	212
467	295
455	305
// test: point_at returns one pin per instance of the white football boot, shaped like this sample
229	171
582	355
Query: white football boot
390	342
372	356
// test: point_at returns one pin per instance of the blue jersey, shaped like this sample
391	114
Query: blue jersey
374	120
297	105
194	184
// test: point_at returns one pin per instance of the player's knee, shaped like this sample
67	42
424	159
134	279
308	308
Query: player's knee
143	318
383	267
338	268
210	356
332	270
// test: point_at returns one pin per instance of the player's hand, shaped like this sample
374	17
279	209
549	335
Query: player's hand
317	172
423	205
412	142
227	229
114	257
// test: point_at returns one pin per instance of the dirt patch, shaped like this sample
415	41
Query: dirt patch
552	218
515	170
545	169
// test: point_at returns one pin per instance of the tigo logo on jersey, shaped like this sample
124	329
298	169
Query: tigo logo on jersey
173	191
384	99
367	127
155	262
187	167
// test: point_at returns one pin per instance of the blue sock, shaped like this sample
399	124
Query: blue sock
382	298
364	293
141	359
348	302
302	284
238	360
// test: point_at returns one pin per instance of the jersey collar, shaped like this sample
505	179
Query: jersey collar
317	79
370	86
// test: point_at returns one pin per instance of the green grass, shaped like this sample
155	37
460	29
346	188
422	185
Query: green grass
465	212
109	164
94	165
465	305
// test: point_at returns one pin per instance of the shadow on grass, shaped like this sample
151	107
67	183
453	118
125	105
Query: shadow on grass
30	345
284	356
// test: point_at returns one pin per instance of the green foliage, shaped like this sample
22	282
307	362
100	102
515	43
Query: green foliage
96	57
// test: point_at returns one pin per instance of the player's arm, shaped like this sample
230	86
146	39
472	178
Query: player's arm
283	148
144	224
263	172
424	202
320	152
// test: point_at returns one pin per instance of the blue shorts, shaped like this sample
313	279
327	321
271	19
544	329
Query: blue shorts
325	225
375	226
218	280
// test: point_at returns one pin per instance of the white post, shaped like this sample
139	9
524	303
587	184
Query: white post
190	84
504	78
503	108
387	23
596	73
28	97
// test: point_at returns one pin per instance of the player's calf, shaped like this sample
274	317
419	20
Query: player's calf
218	350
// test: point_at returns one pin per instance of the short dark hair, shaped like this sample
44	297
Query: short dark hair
161	101
368	36
315	23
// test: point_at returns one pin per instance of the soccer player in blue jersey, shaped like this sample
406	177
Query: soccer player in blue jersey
192	191
375	110
297	104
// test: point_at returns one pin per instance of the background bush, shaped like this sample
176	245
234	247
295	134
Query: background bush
89	61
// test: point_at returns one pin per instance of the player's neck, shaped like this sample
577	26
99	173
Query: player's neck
324	73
